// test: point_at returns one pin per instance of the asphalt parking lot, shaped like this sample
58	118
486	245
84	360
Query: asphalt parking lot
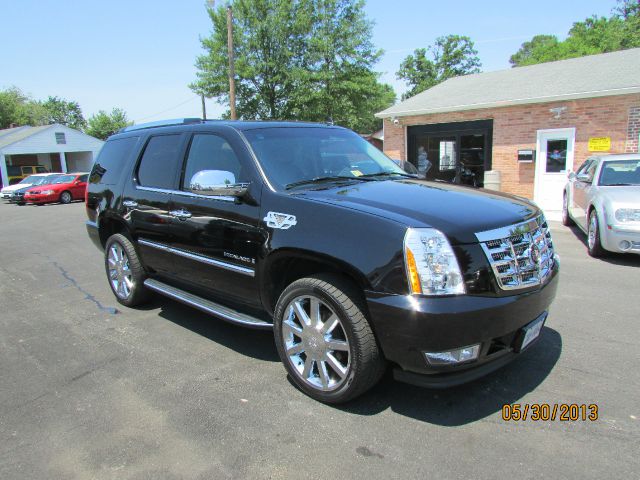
90	389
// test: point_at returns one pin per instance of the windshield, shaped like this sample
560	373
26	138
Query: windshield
297	155
620	173
64	179
29	179
45	180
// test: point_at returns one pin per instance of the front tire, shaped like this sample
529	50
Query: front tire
65	197
593	236
324	339
124	271
566	219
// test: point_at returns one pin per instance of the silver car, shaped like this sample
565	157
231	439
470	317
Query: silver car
603	199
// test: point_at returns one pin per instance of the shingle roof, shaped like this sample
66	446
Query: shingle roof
12	135
606	74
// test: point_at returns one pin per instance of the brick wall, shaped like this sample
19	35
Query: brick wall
515	128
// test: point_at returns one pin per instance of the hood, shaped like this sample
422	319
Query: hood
459	212
622	195
13	188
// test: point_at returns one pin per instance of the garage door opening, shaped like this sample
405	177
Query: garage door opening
454	152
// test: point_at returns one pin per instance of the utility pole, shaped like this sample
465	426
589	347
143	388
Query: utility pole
204	108
232	80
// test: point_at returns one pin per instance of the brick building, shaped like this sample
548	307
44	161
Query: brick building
521	130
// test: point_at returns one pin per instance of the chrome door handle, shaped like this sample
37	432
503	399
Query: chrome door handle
180	214
130	204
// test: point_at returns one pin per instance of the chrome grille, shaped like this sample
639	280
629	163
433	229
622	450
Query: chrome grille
520	255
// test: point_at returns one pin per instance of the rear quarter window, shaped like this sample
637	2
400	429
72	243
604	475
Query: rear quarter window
112	160
159	163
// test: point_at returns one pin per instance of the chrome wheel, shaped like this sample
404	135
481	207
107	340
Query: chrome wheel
565	210
315	343
65	197
120	274
593	230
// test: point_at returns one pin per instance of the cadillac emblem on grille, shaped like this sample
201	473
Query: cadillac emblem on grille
520	255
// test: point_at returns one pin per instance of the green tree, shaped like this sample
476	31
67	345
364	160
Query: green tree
450	56
591	36
64	112
103	124
296	60
18	108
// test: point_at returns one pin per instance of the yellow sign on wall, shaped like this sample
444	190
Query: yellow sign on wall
599	144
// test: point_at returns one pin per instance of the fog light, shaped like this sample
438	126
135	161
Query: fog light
624	245
450	357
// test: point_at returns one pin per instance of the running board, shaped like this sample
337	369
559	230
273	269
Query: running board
207	306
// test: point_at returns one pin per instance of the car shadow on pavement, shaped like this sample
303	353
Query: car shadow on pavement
623	259
448	407
257	344
466	403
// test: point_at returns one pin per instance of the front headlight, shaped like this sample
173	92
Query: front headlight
46	192
628	215
432	267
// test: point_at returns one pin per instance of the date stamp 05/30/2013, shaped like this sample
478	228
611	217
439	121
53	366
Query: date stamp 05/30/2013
545	412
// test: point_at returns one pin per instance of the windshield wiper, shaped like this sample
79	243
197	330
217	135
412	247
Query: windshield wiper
619	185
382	174
310	181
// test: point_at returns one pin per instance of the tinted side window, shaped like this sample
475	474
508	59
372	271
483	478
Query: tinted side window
159	162
210	152
82	178
111	160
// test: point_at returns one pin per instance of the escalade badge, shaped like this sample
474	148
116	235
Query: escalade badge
534	254
283	221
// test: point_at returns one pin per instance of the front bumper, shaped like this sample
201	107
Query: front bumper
38	198
613	235
406	326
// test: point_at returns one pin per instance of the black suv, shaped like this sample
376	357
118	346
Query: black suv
309	230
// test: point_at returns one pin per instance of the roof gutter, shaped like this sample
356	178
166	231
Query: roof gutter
389	113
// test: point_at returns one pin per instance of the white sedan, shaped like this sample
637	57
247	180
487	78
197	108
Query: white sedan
603	199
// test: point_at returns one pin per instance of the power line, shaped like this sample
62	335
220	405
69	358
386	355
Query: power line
167	109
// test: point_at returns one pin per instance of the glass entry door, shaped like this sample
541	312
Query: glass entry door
554	160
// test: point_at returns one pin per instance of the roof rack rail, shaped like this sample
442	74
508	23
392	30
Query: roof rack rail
160	123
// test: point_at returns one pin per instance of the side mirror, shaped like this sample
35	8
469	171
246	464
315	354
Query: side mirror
217	183
584	177
572	175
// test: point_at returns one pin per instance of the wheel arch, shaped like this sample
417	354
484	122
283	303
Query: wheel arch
285	266
108	226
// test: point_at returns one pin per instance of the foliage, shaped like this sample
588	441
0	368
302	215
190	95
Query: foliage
103	124
296	60
17	108
451	56
593	35
64	112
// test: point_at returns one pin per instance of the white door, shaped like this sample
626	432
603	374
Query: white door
554	159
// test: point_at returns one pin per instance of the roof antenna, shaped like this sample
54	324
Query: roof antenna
329	121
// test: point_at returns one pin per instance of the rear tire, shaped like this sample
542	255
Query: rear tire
124	271
594	244
65	197
324	339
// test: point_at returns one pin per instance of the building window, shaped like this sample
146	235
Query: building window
60	138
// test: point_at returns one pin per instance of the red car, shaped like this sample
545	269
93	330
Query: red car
67	187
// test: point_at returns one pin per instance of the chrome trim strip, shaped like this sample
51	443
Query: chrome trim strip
504	232
185	194
250	272
207	306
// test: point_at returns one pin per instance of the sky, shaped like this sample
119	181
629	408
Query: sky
139	55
